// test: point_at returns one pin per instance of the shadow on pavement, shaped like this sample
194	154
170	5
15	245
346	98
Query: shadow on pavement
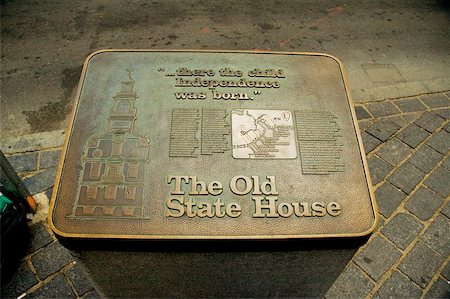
215	268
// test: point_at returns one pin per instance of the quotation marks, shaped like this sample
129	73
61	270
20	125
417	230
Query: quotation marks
256	93
162	70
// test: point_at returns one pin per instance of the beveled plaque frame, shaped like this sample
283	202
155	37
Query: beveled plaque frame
71	234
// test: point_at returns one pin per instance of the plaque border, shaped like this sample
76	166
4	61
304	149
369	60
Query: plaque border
212	237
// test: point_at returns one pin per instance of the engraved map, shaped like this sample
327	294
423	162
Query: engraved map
263	134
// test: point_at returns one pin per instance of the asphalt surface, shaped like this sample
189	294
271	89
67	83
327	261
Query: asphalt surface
389	49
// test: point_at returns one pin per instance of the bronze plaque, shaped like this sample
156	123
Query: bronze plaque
212	145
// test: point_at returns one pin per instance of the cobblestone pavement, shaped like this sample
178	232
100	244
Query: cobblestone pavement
48	270
407	143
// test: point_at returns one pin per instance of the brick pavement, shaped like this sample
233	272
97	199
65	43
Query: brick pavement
407	143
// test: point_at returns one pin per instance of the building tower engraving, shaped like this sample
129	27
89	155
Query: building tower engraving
113	174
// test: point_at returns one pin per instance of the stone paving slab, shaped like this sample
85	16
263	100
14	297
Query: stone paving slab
388	198
412	135
421	264
423	203
383	129
378	169
439	289
406	177
435	100
438	181
437	235
409	104
39	237
352	283
425	158
394	151
429	121
402	229
51	259
398	286
377	257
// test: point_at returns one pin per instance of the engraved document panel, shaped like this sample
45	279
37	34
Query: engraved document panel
212	145
263	134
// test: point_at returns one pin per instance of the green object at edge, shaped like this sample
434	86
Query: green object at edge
4	202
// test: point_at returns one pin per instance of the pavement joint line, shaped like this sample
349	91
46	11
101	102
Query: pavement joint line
35	142
445	94
49	278
407	250
402	97
423	103
396	106
377	149
394	267
401	209
70	282
51	148
437	275
367	110
429	109
401	206
38	166
32	268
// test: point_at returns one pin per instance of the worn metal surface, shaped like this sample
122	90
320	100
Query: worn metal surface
172	144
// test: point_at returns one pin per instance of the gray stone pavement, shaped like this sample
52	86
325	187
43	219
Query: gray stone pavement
407	143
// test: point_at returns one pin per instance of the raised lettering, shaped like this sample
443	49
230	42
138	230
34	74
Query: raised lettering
174	209
204	209
233	210
318	209
269	184
189	208
246	189
218	205
289	210
305	212
334	209
259	206
215	188
195	184
177	188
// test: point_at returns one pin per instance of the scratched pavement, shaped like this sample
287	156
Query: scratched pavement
397	60
394	50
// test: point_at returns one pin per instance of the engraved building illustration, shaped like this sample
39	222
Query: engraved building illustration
113	174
